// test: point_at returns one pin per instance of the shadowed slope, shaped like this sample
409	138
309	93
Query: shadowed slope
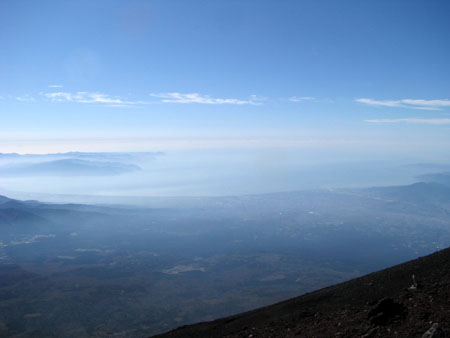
387	303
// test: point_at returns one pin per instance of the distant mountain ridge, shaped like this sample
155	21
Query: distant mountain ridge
73	163
420	192
17	213
67	167
442	178
4	199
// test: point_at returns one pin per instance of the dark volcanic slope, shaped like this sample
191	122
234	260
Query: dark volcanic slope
386	303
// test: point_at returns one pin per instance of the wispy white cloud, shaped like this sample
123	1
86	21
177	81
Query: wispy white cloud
172	97
301	98
25	98
384	103
428	103
85	97
59	96
175	97
55	86
407	103
411	120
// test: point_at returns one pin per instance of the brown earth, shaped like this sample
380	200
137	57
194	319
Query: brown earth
387	303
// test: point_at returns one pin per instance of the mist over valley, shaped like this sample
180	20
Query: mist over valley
151	264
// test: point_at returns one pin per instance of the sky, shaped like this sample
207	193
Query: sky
363	76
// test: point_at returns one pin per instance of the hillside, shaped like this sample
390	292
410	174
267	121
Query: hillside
386	303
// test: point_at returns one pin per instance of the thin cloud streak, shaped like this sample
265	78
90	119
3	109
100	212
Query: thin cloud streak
55	86
433	103
175	97
85	97
25	98
407	103
301	98
412	120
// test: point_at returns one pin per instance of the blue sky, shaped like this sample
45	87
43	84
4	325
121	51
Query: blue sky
157	75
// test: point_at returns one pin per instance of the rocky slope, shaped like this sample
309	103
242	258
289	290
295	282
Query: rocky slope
407	300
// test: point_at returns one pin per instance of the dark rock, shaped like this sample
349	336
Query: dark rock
385	311
434	332
370	333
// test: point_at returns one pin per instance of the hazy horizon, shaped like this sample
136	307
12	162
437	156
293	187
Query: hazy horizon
223	172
